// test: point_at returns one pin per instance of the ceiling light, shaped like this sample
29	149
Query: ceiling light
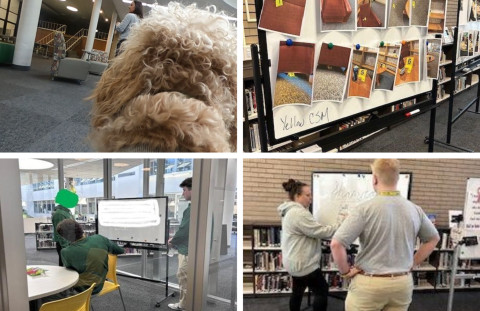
71	8
106	19
63	0
101	11
120	164
147	169
34	164
81	160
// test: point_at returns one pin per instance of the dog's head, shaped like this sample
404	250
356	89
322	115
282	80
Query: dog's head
173	88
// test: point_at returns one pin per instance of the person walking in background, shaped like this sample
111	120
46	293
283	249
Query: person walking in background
135	13
66	200
180	242
301	245
388	226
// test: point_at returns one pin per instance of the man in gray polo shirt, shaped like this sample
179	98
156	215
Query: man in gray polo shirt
387	226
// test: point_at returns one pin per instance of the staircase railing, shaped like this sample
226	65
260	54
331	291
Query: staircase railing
48	39
49	25
75	39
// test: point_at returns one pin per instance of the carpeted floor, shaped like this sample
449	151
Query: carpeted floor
422	301
420	13
350	24
386	81
292	90
397	18
41	115
329	85
409	136
379	10
142	295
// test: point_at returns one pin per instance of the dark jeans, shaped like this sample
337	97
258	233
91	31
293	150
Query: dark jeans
119	45
59	249
316	283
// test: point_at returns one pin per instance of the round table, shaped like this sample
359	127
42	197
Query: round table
55	280
430	58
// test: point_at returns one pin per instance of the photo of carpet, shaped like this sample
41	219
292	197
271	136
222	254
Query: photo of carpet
399	13
408	70
387	64
371	13
434	49
363	72
286	18
420	13
338	15
331	73
294	74
473	11
477	41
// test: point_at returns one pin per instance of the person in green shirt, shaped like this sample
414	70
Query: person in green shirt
88	255
66	200
180	242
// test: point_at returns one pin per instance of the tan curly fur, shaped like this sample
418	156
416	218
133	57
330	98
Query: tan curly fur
173	88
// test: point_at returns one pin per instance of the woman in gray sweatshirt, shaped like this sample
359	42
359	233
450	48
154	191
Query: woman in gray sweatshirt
301	245
135	13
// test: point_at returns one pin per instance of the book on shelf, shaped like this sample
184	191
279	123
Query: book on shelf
268	261
442	75
273	283
267	237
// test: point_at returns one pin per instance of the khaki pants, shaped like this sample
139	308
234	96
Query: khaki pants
367	293
182	279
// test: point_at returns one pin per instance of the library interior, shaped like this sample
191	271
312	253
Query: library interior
376	76
342	189
141	209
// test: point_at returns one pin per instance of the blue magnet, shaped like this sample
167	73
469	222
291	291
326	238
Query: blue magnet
289	42
427	43
357	46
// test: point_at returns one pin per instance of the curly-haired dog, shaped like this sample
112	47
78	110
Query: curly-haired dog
173	88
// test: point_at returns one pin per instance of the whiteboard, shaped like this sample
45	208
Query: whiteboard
141	220
291	119
471	218
336	192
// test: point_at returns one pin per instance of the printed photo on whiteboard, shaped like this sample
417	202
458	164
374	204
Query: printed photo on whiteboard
387	64
436	20
471	42
283	16
472	11
331	73
476	36
464	44
464	13
338	15
420	9
294	73
362	72
399	13
408	70
371	14
434	50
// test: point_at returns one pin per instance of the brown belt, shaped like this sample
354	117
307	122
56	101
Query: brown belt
386	275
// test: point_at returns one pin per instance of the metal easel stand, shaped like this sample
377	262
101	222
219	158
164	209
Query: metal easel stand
457	276
172	294
451	119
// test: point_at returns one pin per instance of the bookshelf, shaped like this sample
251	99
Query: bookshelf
264	275
44	234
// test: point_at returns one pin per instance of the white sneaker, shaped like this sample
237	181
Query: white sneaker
175	306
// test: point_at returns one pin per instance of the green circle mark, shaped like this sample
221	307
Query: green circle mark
66	198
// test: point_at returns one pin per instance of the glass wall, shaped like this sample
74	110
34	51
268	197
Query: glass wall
9	16
214	247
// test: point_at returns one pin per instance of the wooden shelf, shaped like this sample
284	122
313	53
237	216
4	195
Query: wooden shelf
442	99
444	80
389	64
267	248
435	27
268	271
437	15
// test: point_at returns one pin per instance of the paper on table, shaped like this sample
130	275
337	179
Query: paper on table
35	271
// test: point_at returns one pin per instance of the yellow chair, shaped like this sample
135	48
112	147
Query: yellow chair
111	283
80	302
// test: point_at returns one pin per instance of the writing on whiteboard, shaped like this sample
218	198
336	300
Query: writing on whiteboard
359	196
313	118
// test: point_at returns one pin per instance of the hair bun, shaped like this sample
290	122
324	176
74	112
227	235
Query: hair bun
288	186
